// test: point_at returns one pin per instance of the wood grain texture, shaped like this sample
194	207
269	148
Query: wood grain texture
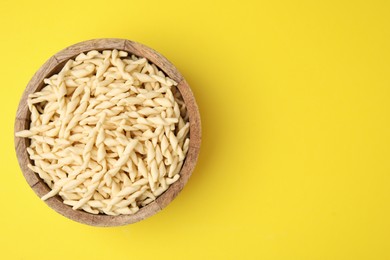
54	65
193	111
154	57
96	44
21	145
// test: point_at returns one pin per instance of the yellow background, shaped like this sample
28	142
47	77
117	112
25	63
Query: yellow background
294	99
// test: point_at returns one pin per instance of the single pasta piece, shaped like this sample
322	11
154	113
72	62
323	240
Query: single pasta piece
108	133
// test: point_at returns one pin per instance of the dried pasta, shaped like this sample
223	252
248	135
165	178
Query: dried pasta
109	133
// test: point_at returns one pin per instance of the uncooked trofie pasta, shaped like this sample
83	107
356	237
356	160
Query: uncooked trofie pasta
108	133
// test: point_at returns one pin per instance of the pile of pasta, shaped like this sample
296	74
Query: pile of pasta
108	133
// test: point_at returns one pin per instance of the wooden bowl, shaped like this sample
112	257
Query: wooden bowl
54	65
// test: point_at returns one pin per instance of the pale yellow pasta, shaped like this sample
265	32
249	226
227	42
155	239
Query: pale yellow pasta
109	133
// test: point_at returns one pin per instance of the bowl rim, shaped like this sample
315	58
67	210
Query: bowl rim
53	65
